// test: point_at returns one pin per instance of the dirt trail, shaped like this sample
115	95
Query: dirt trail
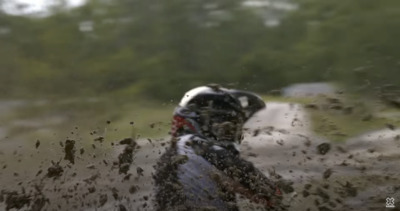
368	162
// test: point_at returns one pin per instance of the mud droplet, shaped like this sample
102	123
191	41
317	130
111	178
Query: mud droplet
91	166
99	139
390	126
39	203
70	151
139	171
311	106
124	168
256	132
325	197
128	141
127	177
103	200
126	157
133	189
323	148
17	200
305	193
92	189
349	190
114	192
37	144
92	178
327	173
55	171
122	208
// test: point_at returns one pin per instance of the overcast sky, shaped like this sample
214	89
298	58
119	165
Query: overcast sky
34	6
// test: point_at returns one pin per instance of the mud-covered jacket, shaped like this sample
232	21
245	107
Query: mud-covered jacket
196	173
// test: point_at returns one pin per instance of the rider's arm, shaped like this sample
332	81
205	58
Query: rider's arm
228	160
246	179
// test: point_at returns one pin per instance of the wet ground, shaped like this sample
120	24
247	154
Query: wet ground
68	172
358	174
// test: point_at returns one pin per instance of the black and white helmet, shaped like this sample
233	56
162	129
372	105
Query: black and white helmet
215	112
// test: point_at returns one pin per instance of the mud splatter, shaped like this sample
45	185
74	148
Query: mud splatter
103	200
327	173
125	159
323	148
99	139
15	200
69	150
55	171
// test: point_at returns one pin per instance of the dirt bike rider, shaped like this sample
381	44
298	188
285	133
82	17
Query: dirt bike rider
202	169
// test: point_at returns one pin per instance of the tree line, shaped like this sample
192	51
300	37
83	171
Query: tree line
159	49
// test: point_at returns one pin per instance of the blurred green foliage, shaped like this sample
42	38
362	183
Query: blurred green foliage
159	49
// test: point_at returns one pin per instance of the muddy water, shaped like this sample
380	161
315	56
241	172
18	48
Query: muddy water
356	175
